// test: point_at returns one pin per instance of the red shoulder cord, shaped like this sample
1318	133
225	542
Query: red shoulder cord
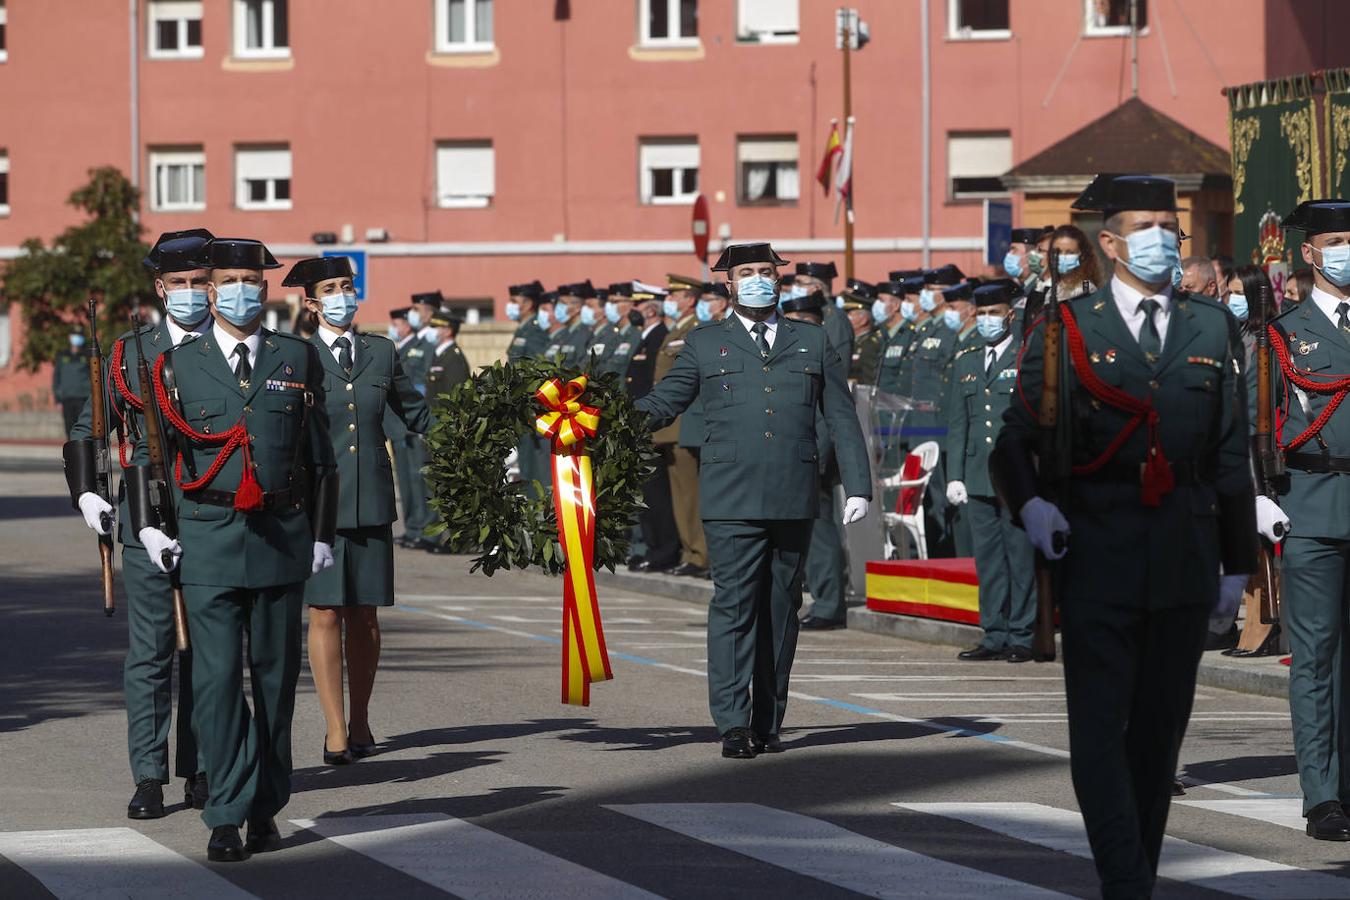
249	496
119	382
1156	480
1338	387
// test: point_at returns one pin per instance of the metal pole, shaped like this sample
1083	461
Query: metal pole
134	6
926	133
848	115
1134	48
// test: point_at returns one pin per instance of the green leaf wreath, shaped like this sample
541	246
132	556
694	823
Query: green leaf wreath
513	524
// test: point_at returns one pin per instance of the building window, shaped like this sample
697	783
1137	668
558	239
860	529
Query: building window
4	28
466	174
262	177
175	29
668	22
668	170
975	164
767	170
178	179
262	29
1111	17
463	26
767	21
977	20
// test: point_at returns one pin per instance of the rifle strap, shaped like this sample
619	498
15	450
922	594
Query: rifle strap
1337	387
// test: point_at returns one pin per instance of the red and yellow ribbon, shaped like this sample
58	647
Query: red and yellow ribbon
567	423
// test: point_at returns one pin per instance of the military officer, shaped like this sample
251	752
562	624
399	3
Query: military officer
983	384
1021	262
449	365
425	306
1148	523
660	539
856	303
1314	339
818	276
575	337
681	307
714	303
759	479
550	308
528	342
70	381
624	336
181	284
888	312
600	341
246	408
410	454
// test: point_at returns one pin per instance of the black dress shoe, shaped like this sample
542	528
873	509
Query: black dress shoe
147	802
981	654
1328	822
263	836
635	563
816	623
1269	647
359	749
225	845
195	791
767	743
1018	654
340	758
689	570
651	567
738	743
1178	789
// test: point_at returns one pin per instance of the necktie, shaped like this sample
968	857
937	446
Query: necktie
1343	315
989	359
763	342
1149	340
344	354
244	370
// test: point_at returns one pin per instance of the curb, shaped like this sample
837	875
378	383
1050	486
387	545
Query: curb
691	590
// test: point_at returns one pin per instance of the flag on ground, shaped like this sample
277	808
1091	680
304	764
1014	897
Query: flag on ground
833	147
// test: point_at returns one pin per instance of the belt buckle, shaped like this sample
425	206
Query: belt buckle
309	398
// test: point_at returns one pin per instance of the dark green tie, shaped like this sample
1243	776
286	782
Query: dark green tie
760	339
1149	340
1343	316
244	371
344	354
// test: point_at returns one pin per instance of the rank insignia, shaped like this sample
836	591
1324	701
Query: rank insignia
1095	357
276	384
1110	355
1304	348
723	352
967	379
1205	361
1007	374
288	370
1099	306
725	386
801	349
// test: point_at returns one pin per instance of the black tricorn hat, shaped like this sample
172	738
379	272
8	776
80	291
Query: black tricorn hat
717	287
734	255
429	298
582	289
318	268
443	318
1029	235
548	297
825	271
400	312
1111	194
948	274
895	288
904	274
621	289
1000	290
812	302
531	290
860	291
235	253
962	291
178	251
1319	216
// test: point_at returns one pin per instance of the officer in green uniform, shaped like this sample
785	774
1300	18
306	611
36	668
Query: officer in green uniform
529	342
959	304
1023	261
180	282
1147	528
600	341
575	339
763	378
817	276
623	336
551	308
915	318
856	304
682	459
246	408
888	315
70	381
414	355
449	365
984	382
1316	498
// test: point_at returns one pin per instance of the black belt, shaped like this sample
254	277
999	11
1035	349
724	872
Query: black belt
1183	472
1317	463
272	500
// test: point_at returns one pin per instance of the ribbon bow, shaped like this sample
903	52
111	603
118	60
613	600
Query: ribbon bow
568	421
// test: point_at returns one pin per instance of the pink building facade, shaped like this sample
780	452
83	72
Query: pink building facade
467	144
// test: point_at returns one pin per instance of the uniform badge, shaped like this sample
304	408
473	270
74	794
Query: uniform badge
725	386
967	379
1095	357
288	370
1304	348
801	349
723	352
1111	355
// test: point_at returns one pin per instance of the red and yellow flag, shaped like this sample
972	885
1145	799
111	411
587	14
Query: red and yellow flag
834	148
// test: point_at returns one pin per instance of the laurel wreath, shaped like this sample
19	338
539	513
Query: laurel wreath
512	524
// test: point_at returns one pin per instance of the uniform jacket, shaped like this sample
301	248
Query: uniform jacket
415	357
529	340
760	458
866	363
643	366
975	413
599	347
895	346
449	368
573	342
840	332
70	376
619	356
930	354
671	348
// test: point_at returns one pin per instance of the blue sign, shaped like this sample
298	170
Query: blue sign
358	258
997	230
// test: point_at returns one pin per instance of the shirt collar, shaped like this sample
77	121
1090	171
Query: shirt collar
228	342
1326	303
329	337
1127	298
178	333
1001	345
441	347
749	324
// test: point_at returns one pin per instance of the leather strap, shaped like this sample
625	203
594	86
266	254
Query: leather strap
1317	463
272	500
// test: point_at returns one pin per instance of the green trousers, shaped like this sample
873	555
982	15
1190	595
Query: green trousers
147	676
1005	563
1316	588
248	752
1129	678
826	561
752	619
409	458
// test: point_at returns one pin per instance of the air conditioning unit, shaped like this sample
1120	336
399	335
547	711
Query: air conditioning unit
377	235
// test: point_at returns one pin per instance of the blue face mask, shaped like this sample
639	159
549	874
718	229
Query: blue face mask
1067	262
991	328
392	334
1336	264
952	319
1012	264
1035	262
77	341
587	316
703	311
879	312
1237	305
756	291
239	303
339	309
908	311
543	319
927	300
612	312
513	310
670	308
1155	255
186	306
561	313
797	290
414	319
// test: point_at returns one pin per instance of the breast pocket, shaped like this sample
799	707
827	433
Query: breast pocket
206	415
809	373
723	384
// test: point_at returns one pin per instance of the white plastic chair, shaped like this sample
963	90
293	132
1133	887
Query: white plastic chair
910	517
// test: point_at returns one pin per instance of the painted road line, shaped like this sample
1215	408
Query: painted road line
1027	697
1287	812
112	862
1197	864
918	679
826	852
466	860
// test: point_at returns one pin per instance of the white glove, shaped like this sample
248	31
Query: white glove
323	557
956	493
854	509
1042	519
1268	516
156	542
94	507
1230	595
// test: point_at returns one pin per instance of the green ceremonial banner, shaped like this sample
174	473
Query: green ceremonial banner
1337	130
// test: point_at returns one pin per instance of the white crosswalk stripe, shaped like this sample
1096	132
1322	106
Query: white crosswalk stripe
90	863
1208	867
825	851
466	860
1285	811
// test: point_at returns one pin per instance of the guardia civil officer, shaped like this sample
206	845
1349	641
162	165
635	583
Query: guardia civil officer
856	304
362	380
1149	524
575	338
181	283
1024	262
529	341
256	518
623	336
410	455
660	537
763	378
449	367
70	380
682	465
819	276
1315	339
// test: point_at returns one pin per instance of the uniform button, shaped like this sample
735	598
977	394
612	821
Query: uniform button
351	449
988	424
768	434
247	408
988	440
349	385
766	368
290	406
987	407
986	392
206	429
768	412
768	390
351	406
1154	385
252	439
351	426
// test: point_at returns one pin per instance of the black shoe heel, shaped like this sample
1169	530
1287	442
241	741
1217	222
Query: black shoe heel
341	758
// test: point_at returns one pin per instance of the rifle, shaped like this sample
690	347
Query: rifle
1266	456
98	426
157	486
1053	462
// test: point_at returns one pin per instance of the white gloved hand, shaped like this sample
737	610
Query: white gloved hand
1268	515
1042	519
956	493
1230	595
855	508
323	557
156	542
93	507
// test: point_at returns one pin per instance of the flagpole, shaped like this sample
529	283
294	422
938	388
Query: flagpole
848	115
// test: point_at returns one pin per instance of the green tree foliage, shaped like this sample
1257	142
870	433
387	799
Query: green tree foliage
100	256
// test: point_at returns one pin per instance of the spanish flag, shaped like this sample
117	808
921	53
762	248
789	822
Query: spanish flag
833	148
